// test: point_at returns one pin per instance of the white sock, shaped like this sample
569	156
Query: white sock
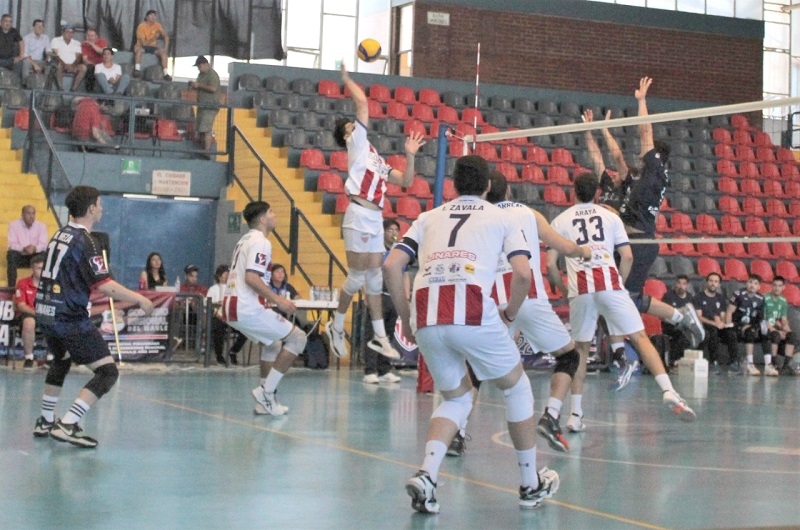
664	382
677	316
767	359
750	359
29	357
554	407
576	404
76	412
338	321
434	454
137	67
49	407
378	328
166	72
262	381
271	382
527	467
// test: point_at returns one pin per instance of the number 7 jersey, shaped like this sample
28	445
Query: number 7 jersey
457	246
603	231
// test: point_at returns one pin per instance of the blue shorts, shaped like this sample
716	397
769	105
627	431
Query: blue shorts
80	341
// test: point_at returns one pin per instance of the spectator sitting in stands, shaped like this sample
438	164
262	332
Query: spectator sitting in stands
92	53
779	333
37	50
27	237
712	310
108	76
191	285
220	329
207	86
677	298
147	35
746	313
153	274
68	57
90	124
12	48
24	305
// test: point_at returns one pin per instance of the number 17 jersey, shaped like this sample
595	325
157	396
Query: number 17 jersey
603	231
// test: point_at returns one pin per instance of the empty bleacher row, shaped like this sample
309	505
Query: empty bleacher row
700	202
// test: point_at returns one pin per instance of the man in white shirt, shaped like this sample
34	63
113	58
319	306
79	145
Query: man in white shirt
108	76
69	59
26	238
37	50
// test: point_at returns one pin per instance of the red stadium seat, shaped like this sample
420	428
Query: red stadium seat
447	115
785	155
393	190
489	129
537	155
779	228
794	208
752	206
773	188
487	151
741	137
472	116
727	185
792	189
684	249
750	186
449	190
388	213
665	206
509	171
464	129
533	173
555	195
759	250
754	226
729	205
346	91
796	228
414	126
420	189
765	154
664	249
735	270
735	250
375	109
681	222
652	325
380	93
655	288
313	159
721	135
511	153
423	112
709	249
726	168
783	250
706	266
707	224
397	162
770	171
431	97
339	160
342	202
330	89
662	225
167	130
763	269
748	170
21	119
739	121
520	140
724	151
792	294
762	139
396	110
408	207
405	95
789	172
788	270
330	182
562	157
731	225
457	148
558	175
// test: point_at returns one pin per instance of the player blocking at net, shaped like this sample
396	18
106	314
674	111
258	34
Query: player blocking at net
362	226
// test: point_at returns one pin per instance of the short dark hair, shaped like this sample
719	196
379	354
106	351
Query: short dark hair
779	279
109	49
585	187
754	277
6	15
150	12
37	21
710	274
79	199
221	269
254	210
339	131
471	175
663	149
497	192
681	277
390	222
37	258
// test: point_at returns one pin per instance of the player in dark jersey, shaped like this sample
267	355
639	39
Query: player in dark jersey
614	184
74	266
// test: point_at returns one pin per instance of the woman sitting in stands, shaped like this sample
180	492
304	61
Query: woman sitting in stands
219	329
153	274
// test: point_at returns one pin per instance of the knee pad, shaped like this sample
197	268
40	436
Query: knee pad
270	353
295	341
354	281
456	410
519	400
568	363
641	301
104	378
374	281
790	338
58	372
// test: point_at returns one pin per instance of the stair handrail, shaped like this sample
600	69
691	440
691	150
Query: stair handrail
54	165
297	215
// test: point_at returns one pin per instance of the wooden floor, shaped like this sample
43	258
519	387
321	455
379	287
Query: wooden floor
182	449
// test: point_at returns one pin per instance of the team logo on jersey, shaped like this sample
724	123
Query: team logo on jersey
56	289
261	259
469	268
454	268
439	269
99	265
364	238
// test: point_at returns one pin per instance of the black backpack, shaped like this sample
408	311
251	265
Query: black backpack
316	351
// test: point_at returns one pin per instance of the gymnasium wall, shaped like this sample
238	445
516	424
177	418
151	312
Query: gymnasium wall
592	47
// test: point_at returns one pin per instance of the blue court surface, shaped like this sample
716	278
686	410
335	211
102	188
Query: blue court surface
182	449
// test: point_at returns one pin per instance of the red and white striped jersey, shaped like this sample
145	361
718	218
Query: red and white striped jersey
368	171
458	246
253	253
602	231
522	216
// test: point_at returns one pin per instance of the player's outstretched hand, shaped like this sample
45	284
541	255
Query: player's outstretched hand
407	333
644	84
588	115
414	141
345	75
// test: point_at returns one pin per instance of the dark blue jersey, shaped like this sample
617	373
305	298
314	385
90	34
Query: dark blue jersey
640	207
74	265
612	195
749	307
711	306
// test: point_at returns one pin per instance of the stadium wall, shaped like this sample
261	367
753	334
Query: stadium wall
593	47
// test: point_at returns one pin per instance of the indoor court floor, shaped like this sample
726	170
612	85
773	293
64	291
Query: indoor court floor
182	449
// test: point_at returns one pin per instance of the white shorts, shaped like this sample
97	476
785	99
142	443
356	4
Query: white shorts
264	326
616	307
362	229
488	348
541	326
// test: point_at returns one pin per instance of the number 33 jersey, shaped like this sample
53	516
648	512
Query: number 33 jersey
603	231
73	267
458	246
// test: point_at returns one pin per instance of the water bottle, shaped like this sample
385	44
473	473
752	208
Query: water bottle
313	293
178	283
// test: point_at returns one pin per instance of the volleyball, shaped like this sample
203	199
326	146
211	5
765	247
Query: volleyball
369	50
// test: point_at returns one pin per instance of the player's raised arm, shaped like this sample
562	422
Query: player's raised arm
645	129
358	96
